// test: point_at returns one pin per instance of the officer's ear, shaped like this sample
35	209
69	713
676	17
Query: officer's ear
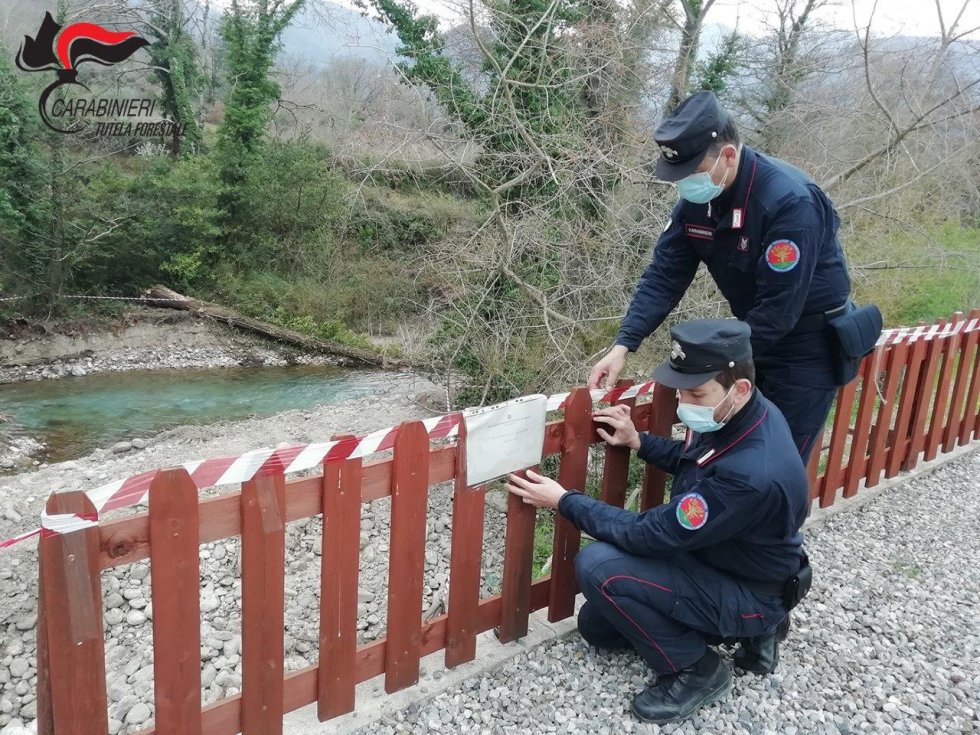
743	387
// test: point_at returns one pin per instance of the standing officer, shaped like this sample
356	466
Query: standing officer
723	558
768	236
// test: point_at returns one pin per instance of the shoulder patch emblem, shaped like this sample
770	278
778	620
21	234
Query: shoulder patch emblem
692	511
782	256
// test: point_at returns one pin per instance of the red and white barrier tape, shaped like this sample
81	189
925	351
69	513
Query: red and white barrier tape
260	462
928	332
226	470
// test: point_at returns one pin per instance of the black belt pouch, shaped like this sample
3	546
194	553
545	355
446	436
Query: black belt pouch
854	335
798	585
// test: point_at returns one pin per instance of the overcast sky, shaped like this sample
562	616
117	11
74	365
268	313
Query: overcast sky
909	17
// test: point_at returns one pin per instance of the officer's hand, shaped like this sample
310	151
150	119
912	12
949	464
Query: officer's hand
537	490
609	367
619	431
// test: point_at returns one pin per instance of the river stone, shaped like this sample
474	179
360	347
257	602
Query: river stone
121	447
136	617
114	616
19	667
138	714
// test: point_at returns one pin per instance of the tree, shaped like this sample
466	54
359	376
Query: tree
251	33
23	207
721	67
695	11
174	57
552	111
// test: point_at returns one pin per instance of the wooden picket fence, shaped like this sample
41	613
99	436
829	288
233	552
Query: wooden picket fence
916	417
910	401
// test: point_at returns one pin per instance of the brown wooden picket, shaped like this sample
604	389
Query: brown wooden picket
518	566
616	464
857	461
409	493
663	414
576	440
263	603
838	438
466	556
339	560
175	579
968	346
72	688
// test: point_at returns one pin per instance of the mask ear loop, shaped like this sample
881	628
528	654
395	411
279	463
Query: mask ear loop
723	180
729	414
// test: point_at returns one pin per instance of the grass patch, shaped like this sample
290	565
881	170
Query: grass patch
909	570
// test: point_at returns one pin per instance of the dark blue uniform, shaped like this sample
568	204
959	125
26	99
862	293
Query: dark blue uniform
710	563
770	243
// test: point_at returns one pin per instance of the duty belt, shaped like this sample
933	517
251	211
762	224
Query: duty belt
816	322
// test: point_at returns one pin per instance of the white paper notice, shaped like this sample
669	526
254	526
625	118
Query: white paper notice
504	438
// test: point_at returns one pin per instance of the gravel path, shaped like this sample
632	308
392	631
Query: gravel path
887	641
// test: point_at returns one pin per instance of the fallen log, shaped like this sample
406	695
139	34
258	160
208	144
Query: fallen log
164	297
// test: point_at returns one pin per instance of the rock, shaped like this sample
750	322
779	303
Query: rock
15	727
121	447
232	647
209	604
19	667
136	617
28	622
11	514
113	599
138	714
114	617
138	443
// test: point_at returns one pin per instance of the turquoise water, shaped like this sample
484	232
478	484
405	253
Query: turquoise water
76	415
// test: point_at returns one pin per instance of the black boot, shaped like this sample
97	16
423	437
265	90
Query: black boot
759	655
677	696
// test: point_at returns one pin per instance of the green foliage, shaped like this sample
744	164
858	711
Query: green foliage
23	212
251	34
721	67
385	221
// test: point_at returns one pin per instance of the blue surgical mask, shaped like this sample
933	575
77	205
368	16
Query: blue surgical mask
701	419
699	188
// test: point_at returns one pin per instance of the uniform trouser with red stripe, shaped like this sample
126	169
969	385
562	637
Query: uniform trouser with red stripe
668	608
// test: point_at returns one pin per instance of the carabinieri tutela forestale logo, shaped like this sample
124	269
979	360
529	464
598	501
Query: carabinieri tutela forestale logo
62	50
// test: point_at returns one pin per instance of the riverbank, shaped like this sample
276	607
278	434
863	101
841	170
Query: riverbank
139	339
142	339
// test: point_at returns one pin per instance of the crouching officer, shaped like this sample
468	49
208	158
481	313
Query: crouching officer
768	236
722	559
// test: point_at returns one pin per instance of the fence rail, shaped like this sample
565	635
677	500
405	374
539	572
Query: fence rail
911	401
